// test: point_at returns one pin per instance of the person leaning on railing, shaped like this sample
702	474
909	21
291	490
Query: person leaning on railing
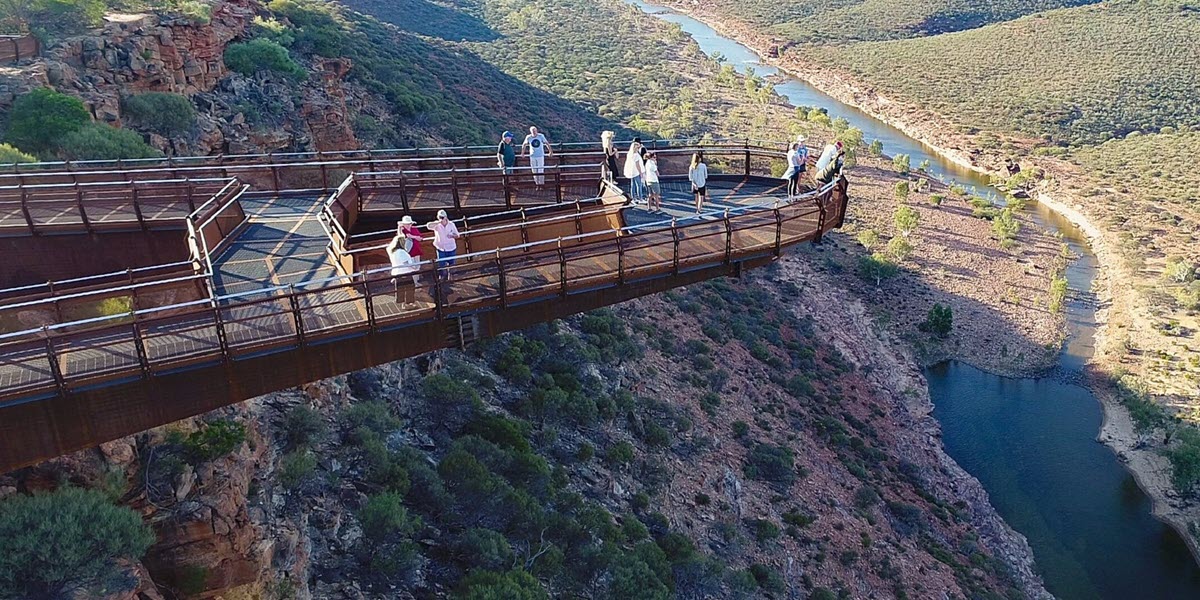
404	253
833	158
506	153
445	234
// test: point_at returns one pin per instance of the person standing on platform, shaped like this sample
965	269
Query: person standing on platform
635	170
698	175
445	236
506	153
654	197
404	254
537	148
610	155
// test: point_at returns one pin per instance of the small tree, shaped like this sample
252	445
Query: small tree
261	54
876	148
1179	270
1006	227
66	544
160	112
11	155
869	239
877	267
902	190
899	249
40	119
902	164
97	141
906	220
939	321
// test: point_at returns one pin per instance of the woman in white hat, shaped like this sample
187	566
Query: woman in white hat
404	253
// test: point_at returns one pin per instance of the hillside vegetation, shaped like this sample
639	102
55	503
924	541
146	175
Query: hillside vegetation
1078	75
843	21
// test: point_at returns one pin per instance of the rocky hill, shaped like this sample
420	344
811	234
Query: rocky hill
716	441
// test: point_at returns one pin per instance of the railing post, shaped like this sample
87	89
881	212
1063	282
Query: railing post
52	358
222	338
525	231
437	292
562	269
578	218
295	304
502	284
137	208
508	199
454	189
558	191
820	219
674	248
324	172
25	210
274	171
191	201
728	238
620	262
79	203
140	344
403	191
370	302
778	230
747	159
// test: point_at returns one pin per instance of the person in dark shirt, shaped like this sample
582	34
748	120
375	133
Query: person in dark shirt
506	153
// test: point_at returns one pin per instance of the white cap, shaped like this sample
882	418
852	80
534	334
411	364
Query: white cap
800	139
442	214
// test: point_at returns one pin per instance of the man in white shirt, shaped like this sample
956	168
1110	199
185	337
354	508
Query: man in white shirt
445	232
537	148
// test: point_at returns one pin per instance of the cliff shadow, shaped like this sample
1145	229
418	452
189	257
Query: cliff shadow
426	18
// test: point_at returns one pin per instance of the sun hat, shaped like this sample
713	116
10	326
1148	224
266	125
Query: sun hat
407	220
441	214
801	139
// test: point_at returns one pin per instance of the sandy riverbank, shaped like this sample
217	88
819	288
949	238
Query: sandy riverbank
1113	288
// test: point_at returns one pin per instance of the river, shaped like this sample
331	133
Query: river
1030	441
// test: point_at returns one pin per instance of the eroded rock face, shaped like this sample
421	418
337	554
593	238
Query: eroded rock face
140	53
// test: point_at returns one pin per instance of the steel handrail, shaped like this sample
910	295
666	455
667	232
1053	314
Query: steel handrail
700	218
50	284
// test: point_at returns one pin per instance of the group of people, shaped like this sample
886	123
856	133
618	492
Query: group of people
645	187
405	254
641	169
535	147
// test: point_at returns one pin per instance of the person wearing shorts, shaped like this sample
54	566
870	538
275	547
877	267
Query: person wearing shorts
654	198
445	236
698	175
537	148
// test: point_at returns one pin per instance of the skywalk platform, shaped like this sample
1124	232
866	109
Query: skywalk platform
285	282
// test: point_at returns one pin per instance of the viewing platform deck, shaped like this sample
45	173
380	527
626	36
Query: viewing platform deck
285	280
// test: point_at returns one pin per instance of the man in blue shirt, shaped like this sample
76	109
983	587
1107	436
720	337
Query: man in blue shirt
506	153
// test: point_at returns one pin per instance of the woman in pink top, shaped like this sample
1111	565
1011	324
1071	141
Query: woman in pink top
445	234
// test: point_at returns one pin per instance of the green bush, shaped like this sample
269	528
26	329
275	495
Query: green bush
771	463
41	119
303	427
53	545
160	112
902	163
939	321
388	533
1184	455
620	454
52	19
877	267
10	154
214	440
490	585
97	141
1058	293
296	468
373	416
768	579
484	549
248	58
902	189
763	530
